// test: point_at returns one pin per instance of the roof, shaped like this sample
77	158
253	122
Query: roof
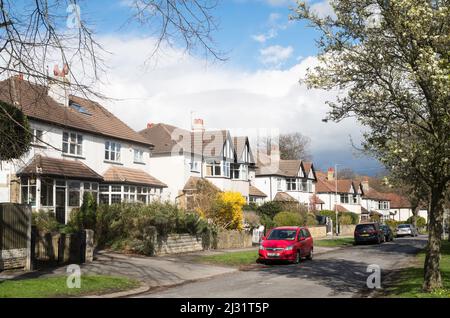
192	182
34	101
62	168
167	138
255	192
340	208
285	168
284	197
397	201
329	186
364	210
374	194
239	145
131	176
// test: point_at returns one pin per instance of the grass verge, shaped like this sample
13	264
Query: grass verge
57	287
231	258
338	242
409	282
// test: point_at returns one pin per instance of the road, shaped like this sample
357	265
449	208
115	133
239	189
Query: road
340	273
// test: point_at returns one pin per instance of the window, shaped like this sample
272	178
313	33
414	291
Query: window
91	187
383	205
72	144
344	198
28	191
291	184
244	172
115	198
279	184
213	168
74	194
46	192
138	156
195	166
37	136
226	168
309	185
355	199
112	151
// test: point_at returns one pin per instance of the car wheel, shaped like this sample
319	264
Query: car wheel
311	254
297	258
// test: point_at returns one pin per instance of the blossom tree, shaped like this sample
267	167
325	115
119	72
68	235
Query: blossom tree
389	62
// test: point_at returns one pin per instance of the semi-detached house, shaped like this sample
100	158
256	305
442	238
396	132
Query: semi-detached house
78	146
181	157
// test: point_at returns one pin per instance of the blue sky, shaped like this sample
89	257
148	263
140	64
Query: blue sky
257	87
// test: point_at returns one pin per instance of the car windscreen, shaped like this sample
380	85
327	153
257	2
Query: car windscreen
279	234
404	226
365	227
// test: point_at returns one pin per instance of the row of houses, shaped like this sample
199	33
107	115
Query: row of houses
78	146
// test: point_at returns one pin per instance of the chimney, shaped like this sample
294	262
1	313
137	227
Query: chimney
330	174
198	125
365	184
59	85
149	125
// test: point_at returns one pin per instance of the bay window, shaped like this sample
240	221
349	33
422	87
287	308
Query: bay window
292	184
28	191
46	192
213	168
344	198
74	194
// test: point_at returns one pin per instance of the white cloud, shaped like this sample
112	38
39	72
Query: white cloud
275	55
224	97
279	3
323	8
262	38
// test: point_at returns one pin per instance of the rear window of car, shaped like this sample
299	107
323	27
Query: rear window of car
282	234
404	226
365	227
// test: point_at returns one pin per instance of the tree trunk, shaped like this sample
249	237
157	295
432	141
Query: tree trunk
432	274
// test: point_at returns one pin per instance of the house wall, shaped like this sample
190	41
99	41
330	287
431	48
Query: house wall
173	171
401	214
92	154
329	199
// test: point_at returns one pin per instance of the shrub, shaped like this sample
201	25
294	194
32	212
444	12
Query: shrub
45	222
351	217
251	219
227	212
84	217
310	219
345	219
250	207
288	219
420	221
269	209
392	224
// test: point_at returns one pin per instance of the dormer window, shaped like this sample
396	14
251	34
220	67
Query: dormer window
112	151
72	144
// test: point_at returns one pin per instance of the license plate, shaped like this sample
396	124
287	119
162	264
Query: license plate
273	254
364	234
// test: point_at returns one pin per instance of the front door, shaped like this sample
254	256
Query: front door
60	203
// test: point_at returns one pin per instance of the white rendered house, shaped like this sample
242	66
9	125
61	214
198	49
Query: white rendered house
78	146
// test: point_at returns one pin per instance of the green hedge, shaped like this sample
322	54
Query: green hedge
349	217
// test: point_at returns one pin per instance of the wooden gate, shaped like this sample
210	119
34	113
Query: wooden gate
15	235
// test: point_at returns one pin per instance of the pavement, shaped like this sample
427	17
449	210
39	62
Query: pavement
336	273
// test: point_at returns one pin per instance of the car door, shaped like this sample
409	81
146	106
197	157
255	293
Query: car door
308	241
301	242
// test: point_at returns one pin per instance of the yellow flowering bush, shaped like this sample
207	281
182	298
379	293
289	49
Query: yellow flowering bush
228	210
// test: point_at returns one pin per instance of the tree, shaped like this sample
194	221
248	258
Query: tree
347	173
294	146
389	61
37	33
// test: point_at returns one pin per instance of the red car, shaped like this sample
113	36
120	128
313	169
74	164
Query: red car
286	243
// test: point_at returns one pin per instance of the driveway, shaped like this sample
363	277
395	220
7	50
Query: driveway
339	273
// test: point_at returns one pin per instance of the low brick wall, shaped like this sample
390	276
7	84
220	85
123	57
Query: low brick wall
178	243
347	230
318	231
15	258
233	239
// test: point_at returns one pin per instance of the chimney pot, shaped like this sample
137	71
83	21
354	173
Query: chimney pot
330	174
149	125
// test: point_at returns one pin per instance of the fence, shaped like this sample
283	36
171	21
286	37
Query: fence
15	233
51	249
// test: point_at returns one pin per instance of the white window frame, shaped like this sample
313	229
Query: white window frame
73	139
138	155
113	148
37	137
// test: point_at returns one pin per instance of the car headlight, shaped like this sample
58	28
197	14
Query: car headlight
261	247
289	248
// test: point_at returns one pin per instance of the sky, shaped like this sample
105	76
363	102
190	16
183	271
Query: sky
256	89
